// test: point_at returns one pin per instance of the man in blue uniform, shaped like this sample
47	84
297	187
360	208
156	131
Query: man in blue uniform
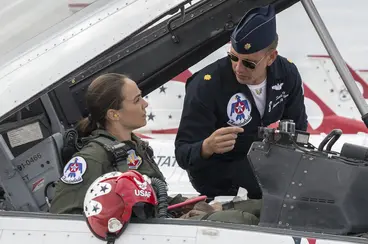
226	102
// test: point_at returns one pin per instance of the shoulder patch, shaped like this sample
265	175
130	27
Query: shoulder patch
290	61
133	160
74	170
207	77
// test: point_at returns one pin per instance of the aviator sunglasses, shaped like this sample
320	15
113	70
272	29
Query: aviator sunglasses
246	63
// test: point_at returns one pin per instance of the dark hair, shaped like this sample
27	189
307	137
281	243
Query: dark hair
274	44
103	93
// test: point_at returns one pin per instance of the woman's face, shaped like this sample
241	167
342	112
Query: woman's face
132	115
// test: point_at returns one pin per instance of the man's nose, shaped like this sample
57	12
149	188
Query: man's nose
239	67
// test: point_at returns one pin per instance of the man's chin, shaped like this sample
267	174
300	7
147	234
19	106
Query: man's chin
243	81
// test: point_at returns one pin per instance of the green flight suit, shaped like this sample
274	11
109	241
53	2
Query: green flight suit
69	198
234	216
241	212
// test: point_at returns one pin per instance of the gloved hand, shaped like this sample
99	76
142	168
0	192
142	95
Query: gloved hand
202	208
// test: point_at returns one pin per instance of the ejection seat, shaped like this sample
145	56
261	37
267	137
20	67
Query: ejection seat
30	163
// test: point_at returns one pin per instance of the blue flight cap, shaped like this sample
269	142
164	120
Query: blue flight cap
255	31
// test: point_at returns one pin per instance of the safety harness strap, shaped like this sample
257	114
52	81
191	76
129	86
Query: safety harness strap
118	151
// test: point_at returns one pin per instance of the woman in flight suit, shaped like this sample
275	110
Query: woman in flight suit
117	108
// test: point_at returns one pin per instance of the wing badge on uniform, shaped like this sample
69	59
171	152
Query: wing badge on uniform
74	170
134	161
239	110
278	86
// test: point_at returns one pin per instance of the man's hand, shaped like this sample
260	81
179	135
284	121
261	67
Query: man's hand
220	141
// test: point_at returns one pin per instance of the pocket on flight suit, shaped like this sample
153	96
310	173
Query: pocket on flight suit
252	206
233	216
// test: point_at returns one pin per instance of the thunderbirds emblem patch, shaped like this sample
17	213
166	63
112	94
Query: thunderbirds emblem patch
238	110
74	170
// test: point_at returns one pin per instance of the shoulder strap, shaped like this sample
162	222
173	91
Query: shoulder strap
147	148
118	151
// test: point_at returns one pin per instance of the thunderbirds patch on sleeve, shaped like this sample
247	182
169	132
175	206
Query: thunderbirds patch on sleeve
74	170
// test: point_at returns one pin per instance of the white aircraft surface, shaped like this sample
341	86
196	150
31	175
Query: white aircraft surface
19	24
29	151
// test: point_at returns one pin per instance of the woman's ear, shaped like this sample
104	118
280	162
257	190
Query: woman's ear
112	115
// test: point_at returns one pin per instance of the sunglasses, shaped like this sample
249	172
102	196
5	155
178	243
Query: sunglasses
246	63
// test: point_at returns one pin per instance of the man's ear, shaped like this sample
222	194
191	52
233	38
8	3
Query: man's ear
272	58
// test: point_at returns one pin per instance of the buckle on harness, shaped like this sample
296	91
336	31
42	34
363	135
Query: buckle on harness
119	152
148	149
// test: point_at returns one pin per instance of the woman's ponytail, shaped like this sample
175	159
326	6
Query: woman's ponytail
86	126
